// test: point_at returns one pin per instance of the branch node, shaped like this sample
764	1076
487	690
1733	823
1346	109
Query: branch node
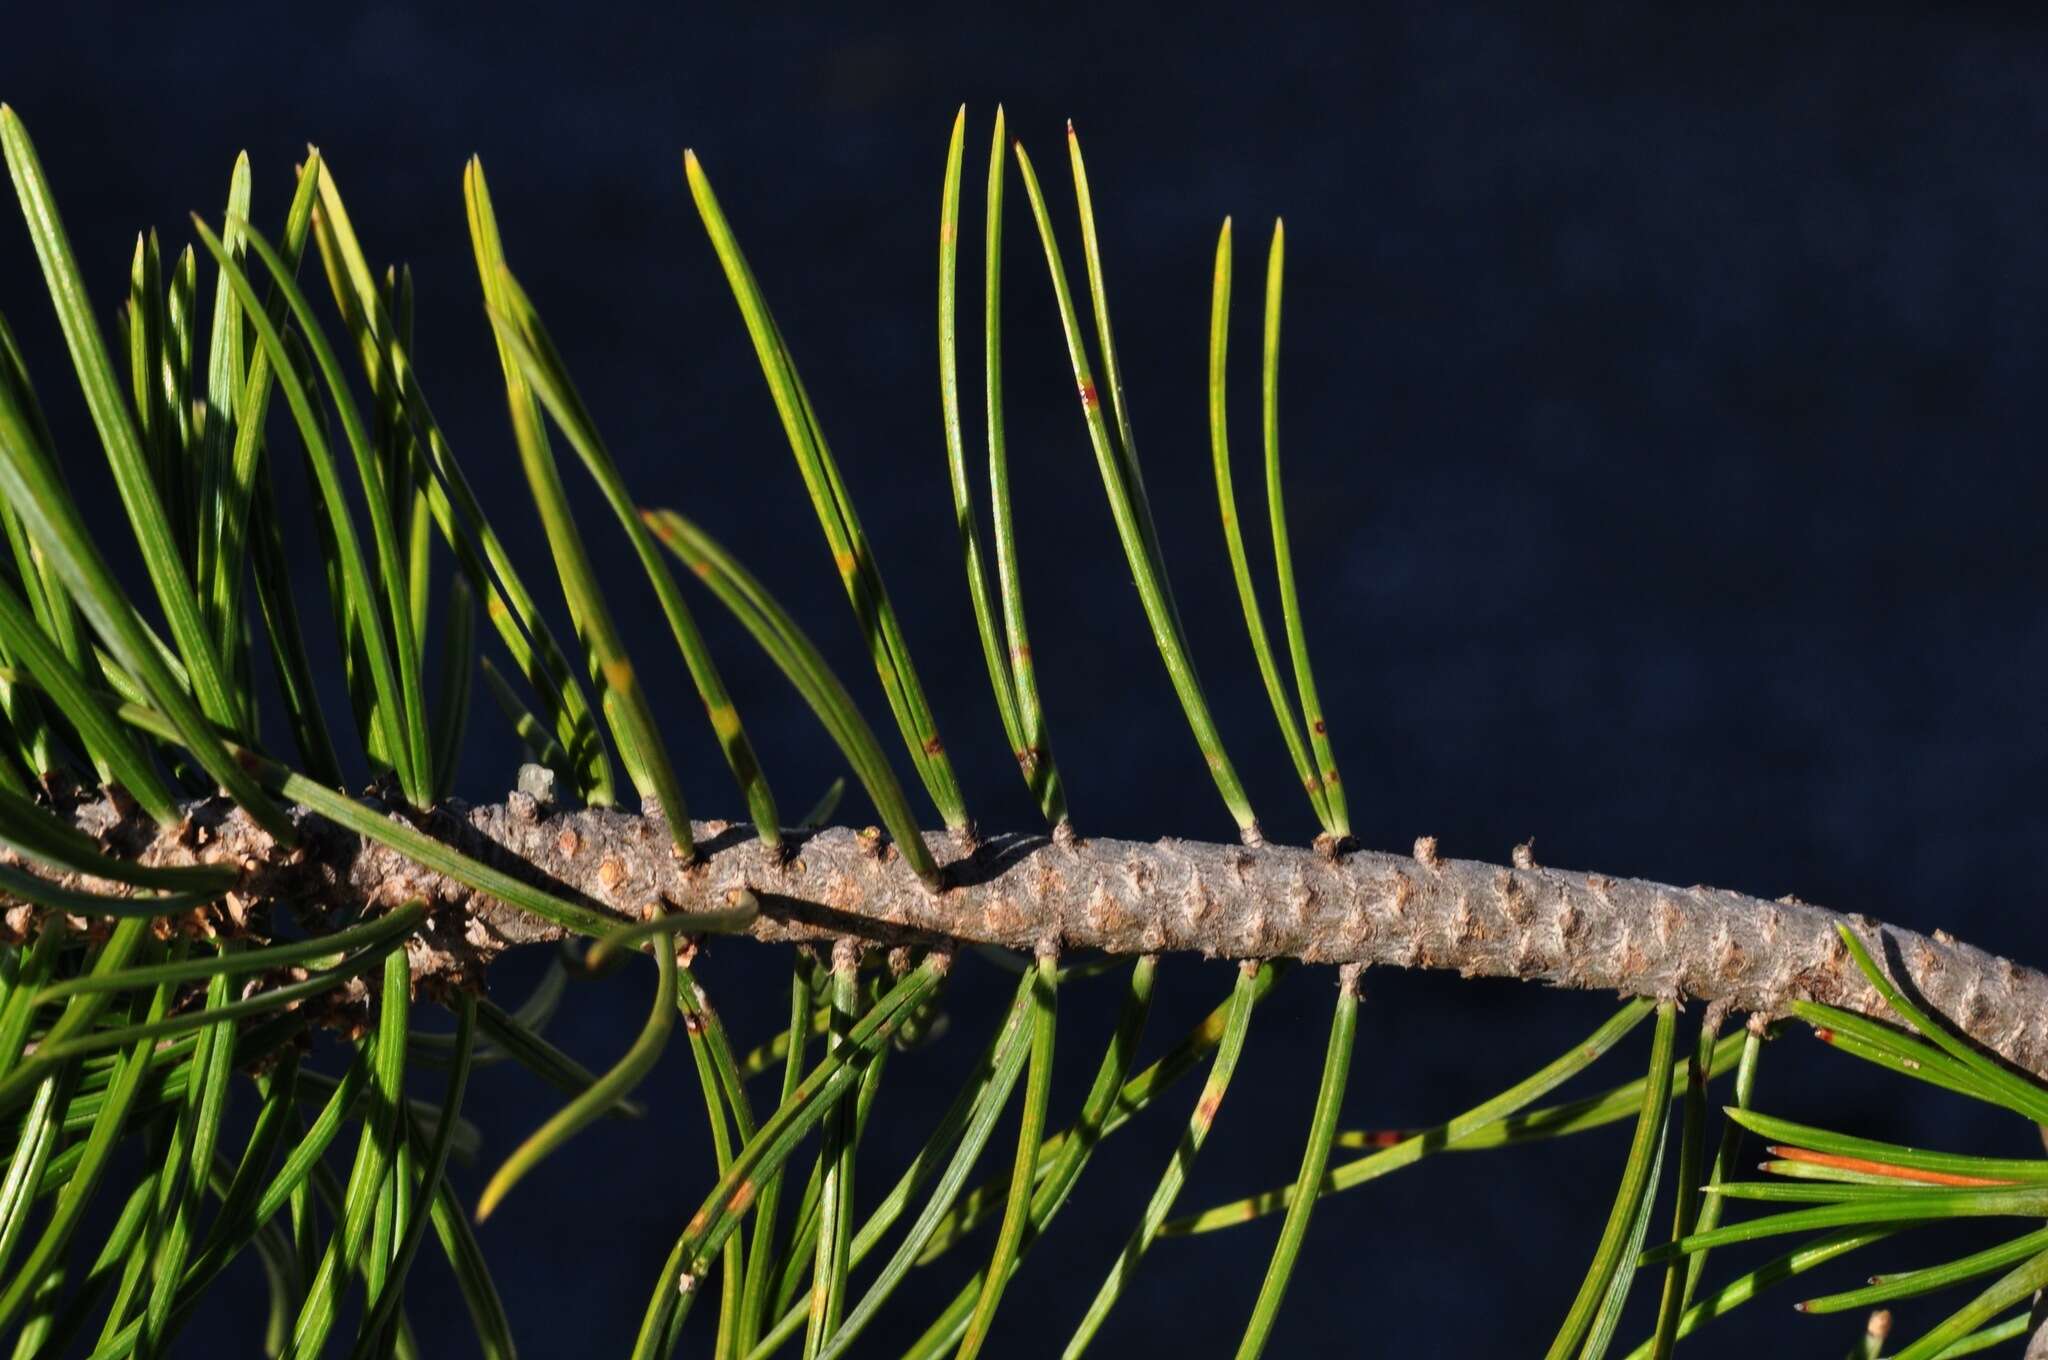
966	841
538	783
1351	978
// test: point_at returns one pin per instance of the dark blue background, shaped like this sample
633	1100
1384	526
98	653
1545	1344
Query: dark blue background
1663	416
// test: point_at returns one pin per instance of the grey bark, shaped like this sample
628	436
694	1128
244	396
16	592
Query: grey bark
1565	928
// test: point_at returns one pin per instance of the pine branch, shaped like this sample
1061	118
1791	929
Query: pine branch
1027	892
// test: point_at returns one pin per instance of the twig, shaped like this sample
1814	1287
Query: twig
1568	929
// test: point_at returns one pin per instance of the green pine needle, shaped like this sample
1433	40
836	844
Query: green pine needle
851	553
382	625
602	1094
621	695
1006	649
522	336
1322	1130
126	457
1906	1284
737	917
1117	461
971	1121
2016	1092
1283	552
1016	1214
1494	1123
798	659
32	832
1616	1256
1235	1026
2016	1286
451	504
1233	539
326	951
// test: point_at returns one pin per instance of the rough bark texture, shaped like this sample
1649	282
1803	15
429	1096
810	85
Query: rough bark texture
1566	928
